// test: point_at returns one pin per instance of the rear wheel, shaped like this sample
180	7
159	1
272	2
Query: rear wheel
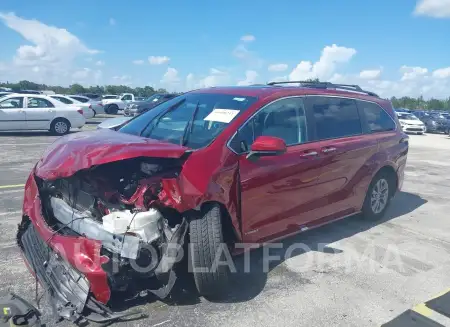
207	247
60	126
378	196
113	109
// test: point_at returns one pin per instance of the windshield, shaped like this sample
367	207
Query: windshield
110	97
406	116
193	120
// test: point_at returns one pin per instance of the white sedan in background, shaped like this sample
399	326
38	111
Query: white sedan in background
38	112
96	105
88	112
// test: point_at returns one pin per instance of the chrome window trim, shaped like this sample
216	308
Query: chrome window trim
311	95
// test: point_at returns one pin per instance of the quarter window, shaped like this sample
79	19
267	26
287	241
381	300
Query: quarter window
63	100
39	103
12	103
377	119
284	119
335	117
83	100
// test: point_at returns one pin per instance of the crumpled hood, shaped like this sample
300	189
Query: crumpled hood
82	150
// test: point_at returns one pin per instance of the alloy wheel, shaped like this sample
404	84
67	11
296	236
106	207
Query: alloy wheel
379	196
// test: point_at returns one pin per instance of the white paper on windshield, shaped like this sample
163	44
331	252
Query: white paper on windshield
222	115
239	99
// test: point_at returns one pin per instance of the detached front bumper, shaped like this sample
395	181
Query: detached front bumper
71	267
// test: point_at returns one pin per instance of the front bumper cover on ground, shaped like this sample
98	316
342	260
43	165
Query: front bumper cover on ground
68	289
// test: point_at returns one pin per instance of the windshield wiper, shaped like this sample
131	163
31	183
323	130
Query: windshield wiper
189	126
156	120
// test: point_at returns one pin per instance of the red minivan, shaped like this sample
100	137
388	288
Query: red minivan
212	168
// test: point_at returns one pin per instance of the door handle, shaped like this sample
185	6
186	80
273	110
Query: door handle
328	150
309	154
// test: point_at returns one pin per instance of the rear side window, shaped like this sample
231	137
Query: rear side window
335	117
377	119
82	100
63	100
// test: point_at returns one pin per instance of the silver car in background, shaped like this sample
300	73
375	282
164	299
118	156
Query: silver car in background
95	105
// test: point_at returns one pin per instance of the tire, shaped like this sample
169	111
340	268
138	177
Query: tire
60	126
370	210
206	249
113	109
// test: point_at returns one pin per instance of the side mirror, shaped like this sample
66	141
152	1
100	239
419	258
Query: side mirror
267	146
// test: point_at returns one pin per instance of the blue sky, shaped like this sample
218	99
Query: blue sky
396	47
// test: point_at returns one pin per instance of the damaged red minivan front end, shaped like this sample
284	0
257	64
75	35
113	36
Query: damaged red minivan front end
104	212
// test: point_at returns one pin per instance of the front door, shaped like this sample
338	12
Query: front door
276	191
12	114
39	112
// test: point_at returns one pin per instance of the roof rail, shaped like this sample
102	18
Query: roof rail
326	85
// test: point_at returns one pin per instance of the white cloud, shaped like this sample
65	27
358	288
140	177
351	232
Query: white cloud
433	8
277	67
81	74
280	79
123	79
418	82
248	38
84	76
249	58
370	74
112	21
170	77
52	49
100	63
190	81
216	77
158	60
442	73
326	66
410	73
138	62
250	78
241	51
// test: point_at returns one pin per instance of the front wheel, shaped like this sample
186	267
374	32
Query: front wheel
206	252
60	126
378	196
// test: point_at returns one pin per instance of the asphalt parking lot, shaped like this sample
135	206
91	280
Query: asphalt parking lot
354	273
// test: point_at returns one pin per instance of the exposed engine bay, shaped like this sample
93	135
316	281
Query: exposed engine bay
121	204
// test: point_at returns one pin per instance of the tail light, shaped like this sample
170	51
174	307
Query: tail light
80	111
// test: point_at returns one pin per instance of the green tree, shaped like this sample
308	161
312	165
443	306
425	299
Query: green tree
76	89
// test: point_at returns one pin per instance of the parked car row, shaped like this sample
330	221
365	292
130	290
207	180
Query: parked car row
421	121
40	112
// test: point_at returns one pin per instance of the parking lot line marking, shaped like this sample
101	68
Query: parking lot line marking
22	144
9	213
11	186
161	323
